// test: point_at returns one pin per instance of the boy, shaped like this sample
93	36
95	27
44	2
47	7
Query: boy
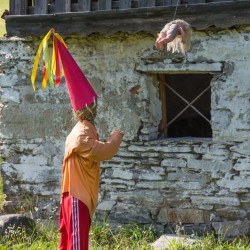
80	182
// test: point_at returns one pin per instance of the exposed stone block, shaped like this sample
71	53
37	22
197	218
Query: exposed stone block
38	160
150	162
186	176
159	170
232	228
205	207
209	200
221	119
163	148
117	181
215	217
176	199
231	214
209	156
235	183
182	148
210	166
114	187
194	185
241	148
166	240
127	154
186	216
123	160
119	173
140	216
242	165
10	95
173	163
196	229
117	165
147	175
142	149
30	173
158	185
138	196
201	148
151	155
105	205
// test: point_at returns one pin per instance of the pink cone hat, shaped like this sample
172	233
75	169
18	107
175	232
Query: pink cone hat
80	91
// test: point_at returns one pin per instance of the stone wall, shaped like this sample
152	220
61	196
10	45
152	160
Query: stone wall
203	184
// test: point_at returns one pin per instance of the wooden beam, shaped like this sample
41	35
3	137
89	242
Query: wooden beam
146	3
24	7
124	4
63	6
163	94
104	4
176	2
201	16
164	2
12	7
84	5
41	7
18	7
197	1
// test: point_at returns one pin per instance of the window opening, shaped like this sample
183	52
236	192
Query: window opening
186	105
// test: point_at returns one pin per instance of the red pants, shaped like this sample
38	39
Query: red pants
74	224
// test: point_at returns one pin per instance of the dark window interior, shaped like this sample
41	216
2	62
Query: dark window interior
188	123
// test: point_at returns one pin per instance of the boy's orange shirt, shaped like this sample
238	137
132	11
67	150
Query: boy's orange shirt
81	165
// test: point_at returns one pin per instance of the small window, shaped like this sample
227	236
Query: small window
186	105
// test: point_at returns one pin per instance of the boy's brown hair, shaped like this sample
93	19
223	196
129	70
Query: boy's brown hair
88	113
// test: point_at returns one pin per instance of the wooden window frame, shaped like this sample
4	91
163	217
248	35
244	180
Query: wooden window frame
163	86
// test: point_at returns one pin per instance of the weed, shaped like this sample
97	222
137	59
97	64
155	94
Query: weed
133	236
104	237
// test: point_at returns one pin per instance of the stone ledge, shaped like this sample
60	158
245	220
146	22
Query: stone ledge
180	68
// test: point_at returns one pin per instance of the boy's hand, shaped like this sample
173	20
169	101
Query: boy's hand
117	130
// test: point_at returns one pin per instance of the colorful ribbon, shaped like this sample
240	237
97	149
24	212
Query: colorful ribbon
52	71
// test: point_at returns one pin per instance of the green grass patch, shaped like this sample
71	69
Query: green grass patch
102	237
133	236
210	242
4	5
42	237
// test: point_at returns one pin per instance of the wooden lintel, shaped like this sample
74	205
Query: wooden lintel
170	68
219	15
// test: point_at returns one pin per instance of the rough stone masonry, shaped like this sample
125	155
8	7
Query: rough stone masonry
198	185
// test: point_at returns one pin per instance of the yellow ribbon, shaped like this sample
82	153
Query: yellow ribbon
49	62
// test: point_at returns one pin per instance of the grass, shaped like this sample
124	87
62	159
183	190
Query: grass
210	242
4	5
40	238
101	238
131	237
